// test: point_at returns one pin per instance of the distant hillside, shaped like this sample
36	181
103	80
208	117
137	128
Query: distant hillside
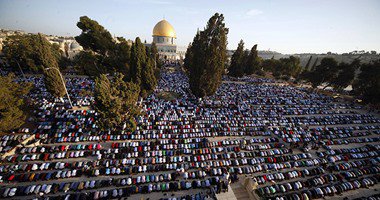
348	58
304	58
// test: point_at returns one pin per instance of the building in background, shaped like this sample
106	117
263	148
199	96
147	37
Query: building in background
68	45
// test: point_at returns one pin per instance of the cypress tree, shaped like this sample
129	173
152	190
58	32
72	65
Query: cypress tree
188	58
52	77
154	54
237	61
142	68
138	59
149	80
209	54
53	82
253	61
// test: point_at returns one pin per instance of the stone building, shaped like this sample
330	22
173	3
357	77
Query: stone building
164	36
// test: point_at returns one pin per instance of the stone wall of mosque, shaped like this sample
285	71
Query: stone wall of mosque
164	40
167	51
181	52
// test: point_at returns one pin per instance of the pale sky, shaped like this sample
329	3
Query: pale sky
286	26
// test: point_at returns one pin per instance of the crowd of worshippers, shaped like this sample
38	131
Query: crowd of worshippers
258	129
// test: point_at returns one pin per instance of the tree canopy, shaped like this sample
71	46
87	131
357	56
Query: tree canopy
88	63
345	74
253	62
94	36
290	66
28	51
115	101
102	54
207	57
34	53
238	61
12	104
367	84
142	68
53	82
323	73
52	77
283	68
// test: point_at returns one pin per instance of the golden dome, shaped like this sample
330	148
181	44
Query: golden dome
164	29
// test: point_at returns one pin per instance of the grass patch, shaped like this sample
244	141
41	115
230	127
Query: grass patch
168	96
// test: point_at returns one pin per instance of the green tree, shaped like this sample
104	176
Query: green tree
345	74
23	51
290	66
138	60
154	55
109	56
12	104
104	55
142	68
115	101
271	65
325	72
149	79
88	63
209	54
238	61
45	58
188	58
367	84
53	82
19	52
253	62
119	57
94	37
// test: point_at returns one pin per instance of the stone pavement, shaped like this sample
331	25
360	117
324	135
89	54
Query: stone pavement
226	195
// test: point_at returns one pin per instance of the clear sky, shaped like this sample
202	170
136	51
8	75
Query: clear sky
286	26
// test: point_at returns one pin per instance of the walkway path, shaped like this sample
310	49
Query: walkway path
227	195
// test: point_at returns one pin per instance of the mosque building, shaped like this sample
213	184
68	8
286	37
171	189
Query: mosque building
164	36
